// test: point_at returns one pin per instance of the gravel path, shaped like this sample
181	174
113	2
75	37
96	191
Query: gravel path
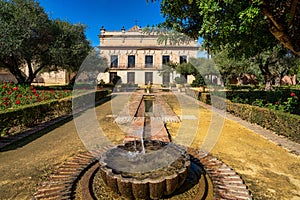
279	140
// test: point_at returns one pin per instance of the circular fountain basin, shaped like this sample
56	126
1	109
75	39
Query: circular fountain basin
145	169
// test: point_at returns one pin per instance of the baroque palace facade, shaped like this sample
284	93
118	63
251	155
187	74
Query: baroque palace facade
137	57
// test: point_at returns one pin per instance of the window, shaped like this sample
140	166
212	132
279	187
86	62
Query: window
131	77
165	59
148	77
182	59
131	61
113	61
148	61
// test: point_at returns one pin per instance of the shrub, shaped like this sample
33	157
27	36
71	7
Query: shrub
284	100
180	80
201	96
205	97
20	118
280	122
199	81
13	96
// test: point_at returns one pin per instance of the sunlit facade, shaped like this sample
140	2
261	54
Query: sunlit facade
137	57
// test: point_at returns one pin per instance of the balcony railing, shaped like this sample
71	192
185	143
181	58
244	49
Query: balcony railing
137	66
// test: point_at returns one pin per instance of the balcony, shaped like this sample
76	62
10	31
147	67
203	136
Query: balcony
136	66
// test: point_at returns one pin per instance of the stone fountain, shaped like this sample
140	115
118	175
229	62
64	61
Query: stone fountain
151	168
159	170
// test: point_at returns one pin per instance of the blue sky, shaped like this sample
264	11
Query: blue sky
112	14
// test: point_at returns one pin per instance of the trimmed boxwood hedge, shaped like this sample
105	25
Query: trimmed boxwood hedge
280	122
15	120
202	96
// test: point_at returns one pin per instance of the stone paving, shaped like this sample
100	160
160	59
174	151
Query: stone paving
227	184
153	128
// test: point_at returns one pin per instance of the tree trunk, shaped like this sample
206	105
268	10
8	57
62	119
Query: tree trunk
267	75
223	80
31	75
72	80
14	69
279	29
268	80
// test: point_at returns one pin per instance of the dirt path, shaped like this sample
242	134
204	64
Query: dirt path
270	171
22	169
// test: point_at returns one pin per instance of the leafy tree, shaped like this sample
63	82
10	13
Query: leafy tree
222	22
90	68
283	21
204	66
168	68
272	64
69	47
168	36
186	69
233	66
242	25
30	41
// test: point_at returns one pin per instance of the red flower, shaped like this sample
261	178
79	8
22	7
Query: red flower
5	103
8	92
18	102
293	94
15	88
36	94
19	95
5	99
31	87
34	91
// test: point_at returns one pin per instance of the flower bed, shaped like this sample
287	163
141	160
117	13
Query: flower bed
21	117
14	96
285	100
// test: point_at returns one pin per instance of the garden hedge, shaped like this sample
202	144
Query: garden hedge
15	120
280	122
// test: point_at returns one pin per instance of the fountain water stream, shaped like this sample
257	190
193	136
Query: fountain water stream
143	168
